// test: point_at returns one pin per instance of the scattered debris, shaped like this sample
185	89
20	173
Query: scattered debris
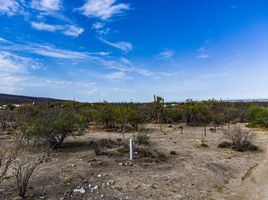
81	190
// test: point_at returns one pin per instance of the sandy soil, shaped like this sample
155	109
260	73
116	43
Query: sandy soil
253	185
195	172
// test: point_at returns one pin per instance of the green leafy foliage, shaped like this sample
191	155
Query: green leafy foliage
258	117
50	126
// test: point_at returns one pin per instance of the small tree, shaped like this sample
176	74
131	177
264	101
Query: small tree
105	115
8	153
258	117
23	171
7	120
137	118
122	118
50	126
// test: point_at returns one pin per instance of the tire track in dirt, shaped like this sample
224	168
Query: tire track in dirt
255	184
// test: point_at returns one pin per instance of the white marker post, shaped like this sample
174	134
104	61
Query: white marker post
130	149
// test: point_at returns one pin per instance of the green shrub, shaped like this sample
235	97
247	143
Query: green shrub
258	117
50	126
142	138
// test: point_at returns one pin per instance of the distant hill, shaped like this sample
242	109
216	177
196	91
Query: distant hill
17	99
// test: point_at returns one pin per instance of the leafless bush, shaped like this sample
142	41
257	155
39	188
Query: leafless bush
24	169
8	153
241	139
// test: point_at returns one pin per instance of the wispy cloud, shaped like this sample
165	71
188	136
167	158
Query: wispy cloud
3	40
103	9
68	30
203	56
125	68
46	5
46	27
203	53
12	63
99	27
166	54
124	46
73	31
14	69
44	9
119	75
9	7
16	77
50	51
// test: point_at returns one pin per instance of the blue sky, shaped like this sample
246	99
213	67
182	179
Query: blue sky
126	50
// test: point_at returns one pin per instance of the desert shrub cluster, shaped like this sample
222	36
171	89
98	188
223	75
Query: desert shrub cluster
258	117
45	126
239	139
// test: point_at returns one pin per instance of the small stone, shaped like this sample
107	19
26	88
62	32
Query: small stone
73	165
99	175
95	187
120	164
89	164
102	196
89	185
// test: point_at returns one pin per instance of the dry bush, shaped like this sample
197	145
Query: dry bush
153	154
8	153
24	169
101	145
241	139
142	138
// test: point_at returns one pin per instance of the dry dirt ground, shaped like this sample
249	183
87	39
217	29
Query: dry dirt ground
194	172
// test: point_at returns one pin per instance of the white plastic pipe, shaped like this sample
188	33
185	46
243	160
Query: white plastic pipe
131	149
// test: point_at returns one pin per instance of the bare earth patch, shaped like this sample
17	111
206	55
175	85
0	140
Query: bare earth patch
192	171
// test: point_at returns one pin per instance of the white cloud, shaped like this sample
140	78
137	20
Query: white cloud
98	25
46	5
100	29
69	30
2	40
73	31
118	75
51	51
124	46
16	77
203	56
103	9
46	27
203	53
13	71
9	7
12	63
166	54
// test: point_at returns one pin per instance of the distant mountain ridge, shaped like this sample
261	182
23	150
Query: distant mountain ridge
19	99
